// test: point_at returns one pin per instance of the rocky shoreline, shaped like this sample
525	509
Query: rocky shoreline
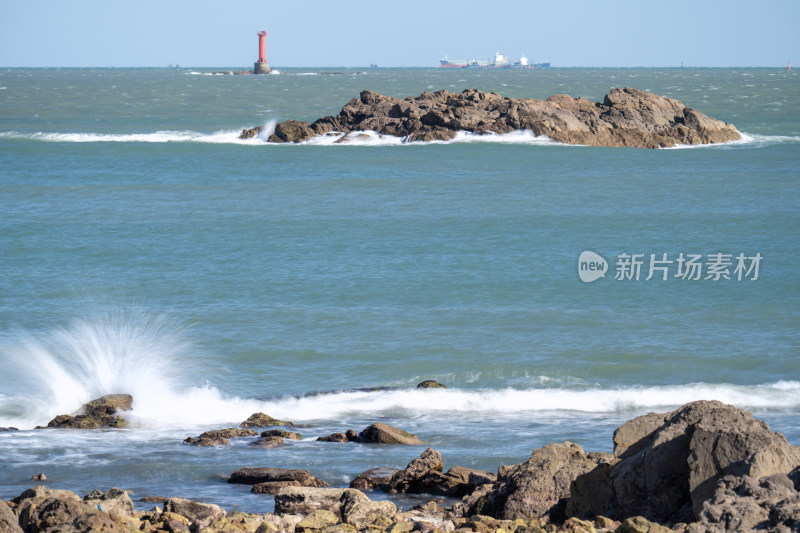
626	117
706	466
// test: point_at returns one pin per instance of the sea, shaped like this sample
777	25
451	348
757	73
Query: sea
556	290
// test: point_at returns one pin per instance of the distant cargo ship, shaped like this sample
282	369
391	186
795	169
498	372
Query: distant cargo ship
499	61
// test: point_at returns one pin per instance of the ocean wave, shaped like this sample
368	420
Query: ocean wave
508	401
748	139
355	138
220	137
147	355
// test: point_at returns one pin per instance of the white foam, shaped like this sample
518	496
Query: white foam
783	395
371	138
219	137
753	139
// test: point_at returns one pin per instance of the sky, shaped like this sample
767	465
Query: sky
412	33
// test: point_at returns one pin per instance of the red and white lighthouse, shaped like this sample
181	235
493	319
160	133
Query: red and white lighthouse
261	66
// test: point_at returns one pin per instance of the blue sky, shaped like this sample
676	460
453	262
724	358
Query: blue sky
213	33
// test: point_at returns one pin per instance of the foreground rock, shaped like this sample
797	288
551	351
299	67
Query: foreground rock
539	487
706	461
626	117
98	413
708	465
748	504
668	465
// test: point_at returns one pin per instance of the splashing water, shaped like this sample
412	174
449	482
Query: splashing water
133	352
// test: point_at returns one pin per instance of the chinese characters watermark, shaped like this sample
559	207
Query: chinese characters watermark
684	266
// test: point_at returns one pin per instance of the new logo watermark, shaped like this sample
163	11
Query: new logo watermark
591	266
683	266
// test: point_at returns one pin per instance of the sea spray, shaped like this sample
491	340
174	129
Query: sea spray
132	351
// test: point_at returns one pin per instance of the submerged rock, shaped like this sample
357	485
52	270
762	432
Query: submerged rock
291	435
379	433
261	420
98	413
431	384
626	117
220	437
348	436
374	478
253	476
270	441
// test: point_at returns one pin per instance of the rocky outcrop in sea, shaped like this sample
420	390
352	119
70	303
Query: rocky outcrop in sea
626	117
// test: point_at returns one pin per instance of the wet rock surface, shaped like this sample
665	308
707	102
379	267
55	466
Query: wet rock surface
98	413
379	433
626	117
261	420
220	437
253	476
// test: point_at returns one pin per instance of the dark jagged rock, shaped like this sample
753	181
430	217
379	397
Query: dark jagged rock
374	478
306	500
253	476
9	523
45	509
668	465
8	429
347	436
431	384
291	435
199	514
748	504
261	420
626	117
220	437
98	413
350	506
270	441
410	479
539	487
273	487
379	433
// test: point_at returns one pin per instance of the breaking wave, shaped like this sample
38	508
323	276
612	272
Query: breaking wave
748	139
220	137
149	357
356	138
371	138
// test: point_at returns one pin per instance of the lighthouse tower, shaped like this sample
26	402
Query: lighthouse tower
261	66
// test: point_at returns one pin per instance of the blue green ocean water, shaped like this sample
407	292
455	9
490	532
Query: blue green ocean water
144	249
